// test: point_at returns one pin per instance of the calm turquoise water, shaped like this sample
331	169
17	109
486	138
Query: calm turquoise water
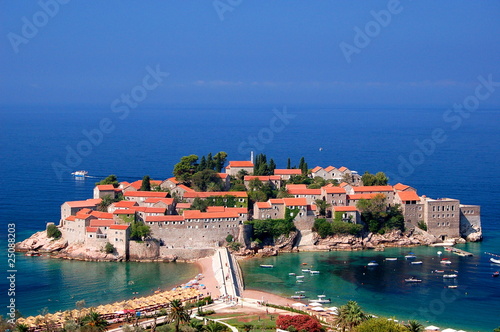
381	290
151	140
56	284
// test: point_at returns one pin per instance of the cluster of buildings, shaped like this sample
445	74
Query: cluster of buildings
175	225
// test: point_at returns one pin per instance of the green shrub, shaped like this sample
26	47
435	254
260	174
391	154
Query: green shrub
109	248
53	231
229	238
422	225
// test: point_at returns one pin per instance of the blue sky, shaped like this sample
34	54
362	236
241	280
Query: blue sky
282	51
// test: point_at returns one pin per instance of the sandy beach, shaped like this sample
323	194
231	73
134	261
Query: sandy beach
211	284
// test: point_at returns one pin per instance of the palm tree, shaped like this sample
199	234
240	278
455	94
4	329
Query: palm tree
414	326
322	206
247	327
196	324
21	328
94	320
350	316
178	314
215	327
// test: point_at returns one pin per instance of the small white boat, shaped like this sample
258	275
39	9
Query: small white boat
439	252
306	270
494	260
390	259
300	280
445	261
291	274
321	300
373	263
410	256
300	292
412	280
314	272
449	276
297	296
416	263
321	296
80	174
267	266
299	277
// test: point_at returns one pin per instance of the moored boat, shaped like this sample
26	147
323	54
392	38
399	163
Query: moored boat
412	280
299	277
391	259
321	300
314	272
291	274
494	260
445	261
267	266
373	263
306	270
410	256
450	276
416	263
297	296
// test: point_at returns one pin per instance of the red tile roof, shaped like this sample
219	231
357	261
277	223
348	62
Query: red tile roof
185	188
223	176
125	204
183	205
164	218
101	223
296	186
154	210
137	184
343	169
245	164
311	208
124	211
196	214
292	171
85	211
343	184
304	191
121	227
91	229
71	218
333	190
344	208
263	205
372	189
275	201
102	215
145	194
361	196
216	209
295	201
168	200
105	187
401	186
195	194
329	169
173	179
405	196
261	177
86	203
316	169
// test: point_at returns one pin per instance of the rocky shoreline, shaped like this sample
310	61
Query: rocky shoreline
59	248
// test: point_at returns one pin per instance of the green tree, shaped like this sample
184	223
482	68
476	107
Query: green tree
199	204
139	231
379	179
106	201
94	320
220	160
350	315
288	164
322	206
247	327
53	231
380	325
110	179
178	314
109	248
215	327
497	329
414	326
21	328
303	166
229	238
203	180
185	168
146	183
272	166
422	225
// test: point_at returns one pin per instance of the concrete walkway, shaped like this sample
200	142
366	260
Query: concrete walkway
225	273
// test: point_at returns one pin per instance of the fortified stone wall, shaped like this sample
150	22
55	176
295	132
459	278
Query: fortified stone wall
186	254
180	236
470	222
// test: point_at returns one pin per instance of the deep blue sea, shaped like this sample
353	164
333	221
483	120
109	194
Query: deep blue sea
41	145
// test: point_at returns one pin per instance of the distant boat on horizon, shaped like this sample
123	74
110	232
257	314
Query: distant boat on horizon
80	174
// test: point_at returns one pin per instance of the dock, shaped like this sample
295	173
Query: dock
460	252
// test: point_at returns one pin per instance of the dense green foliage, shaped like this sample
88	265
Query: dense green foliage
379	179
325	228
422	225
378	216
303	166
300	179
178	314
322	206
111	179
95	321
53	231
185	168
262	167
109	248
350	315
259	191
380	325
414	326
146	183
229	238
138	230
270	228
207	180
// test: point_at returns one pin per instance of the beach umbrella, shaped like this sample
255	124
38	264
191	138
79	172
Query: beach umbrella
449	330
318	309
315	304
432	328
298	304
